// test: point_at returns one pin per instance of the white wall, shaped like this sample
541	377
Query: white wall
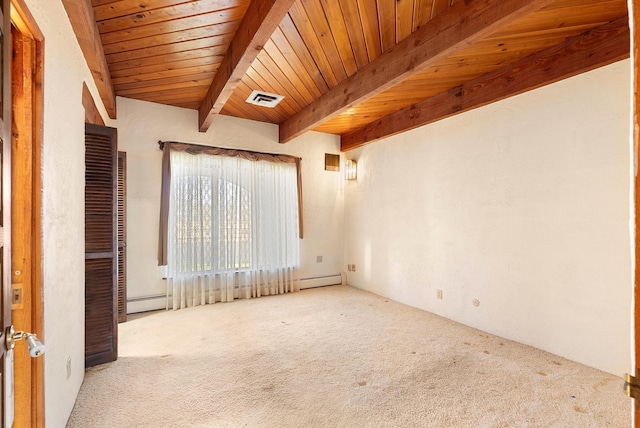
141	125
522	205
62	208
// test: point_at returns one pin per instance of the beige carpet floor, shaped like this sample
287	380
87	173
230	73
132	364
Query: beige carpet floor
335	357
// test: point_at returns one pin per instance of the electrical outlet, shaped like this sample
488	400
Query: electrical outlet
319	259
68	367
439	294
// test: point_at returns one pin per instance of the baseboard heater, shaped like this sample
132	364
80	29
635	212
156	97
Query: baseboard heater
322	281
146	303
155	302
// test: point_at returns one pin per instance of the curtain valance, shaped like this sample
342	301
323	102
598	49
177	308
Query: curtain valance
197	149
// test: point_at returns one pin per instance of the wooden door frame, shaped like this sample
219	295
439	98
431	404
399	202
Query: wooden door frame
26	144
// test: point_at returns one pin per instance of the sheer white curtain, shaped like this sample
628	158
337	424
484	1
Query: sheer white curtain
233	229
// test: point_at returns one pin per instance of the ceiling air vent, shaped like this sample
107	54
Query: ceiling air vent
264	99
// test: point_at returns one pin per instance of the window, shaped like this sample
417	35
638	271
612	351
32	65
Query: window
231	214
195	226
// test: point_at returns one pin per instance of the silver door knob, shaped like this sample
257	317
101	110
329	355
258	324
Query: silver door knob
36	348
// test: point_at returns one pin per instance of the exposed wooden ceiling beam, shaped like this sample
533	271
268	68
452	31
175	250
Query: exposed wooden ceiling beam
451	31
259	22
91	113
596	48
80	14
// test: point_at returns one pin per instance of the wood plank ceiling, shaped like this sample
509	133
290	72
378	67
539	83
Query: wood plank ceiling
362	69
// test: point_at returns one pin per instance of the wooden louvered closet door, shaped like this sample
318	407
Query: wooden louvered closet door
101	291
122	236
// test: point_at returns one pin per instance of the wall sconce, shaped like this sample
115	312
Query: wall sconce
350	169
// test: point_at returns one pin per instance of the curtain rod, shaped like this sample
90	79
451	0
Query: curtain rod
162	143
